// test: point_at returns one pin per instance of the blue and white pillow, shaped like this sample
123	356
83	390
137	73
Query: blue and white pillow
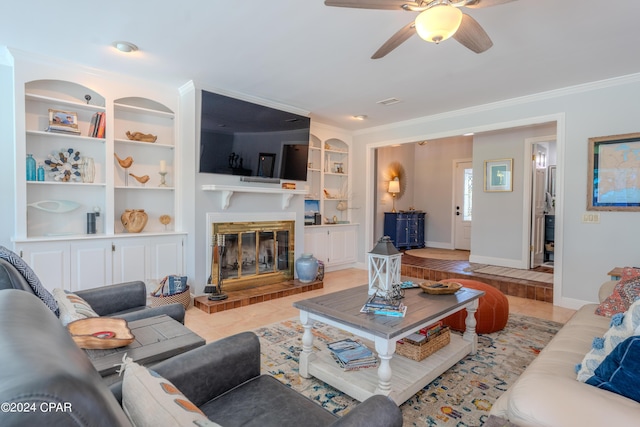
623	326
30	276
620	370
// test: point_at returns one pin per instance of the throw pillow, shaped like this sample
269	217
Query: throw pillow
626	291
150	400
30	276
72	307
620	370
623	325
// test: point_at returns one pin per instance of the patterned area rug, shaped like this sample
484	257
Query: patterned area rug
461	397
515	273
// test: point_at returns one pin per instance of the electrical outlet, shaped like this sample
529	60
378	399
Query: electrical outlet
591	218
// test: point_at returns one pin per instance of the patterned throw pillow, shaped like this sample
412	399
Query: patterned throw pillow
72	307
620	371
623	325
626	291
150	400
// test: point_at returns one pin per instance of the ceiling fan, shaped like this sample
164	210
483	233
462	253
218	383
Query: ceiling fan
438	20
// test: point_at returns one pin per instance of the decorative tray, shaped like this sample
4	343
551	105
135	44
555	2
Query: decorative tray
440	288
100	333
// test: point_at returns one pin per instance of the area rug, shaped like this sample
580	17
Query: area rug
443	254
461	397
515	273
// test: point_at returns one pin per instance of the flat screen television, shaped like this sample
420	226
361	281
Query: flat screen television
242	138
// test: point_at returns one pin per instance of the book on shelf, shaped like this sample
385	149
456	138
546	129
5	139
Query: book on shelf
93	125
351	355
100	125
63	129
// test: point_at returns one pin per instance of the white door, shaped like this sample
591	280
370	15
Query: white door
463	206
538	182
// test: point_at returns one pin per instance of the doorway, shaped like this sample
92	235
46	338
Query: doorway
463	207
541	236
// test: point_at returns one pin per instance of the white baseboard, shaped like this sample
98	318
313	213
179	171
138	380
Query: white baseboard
571	303
500	262
440	245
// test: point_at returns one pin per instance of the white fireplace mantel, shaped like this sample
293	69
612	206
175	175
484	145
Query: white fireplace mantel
229	190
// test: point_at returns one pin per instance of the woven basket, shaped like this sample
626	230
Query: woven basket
415	351
183	298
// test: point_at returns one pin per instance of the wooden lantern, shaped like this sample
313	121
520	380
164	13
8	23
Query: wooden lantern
384	268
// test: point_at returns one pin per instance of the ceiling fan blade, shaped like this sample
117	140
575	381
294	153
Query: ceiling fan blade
396	40
371	4
478	4
471	35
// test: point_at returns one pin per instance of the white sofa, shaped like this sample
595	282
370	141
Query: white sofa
548	393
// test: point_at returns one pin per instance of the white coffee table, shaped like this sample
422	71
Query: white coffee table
397	377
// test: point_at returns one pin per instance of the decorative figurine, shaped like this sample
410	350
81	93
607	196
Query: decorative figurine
142	137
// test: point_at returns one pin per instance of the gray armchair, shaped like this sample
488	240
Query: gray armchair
125	300
41	365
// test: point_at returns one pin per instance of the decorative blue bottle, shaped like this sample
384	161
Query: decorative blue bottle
40	173
31	168
307	268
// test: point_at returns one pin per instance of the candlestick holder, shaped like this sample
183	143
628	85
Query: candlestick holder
163	183
217	294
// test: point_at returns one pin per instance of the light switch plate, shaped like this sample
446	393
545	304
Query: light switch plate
591	218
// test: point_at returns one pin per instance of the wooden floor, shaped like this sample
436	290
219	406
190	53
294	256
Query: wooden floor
436	269
218	325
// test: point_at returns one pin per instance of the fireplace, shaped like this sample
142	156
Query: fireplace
255	253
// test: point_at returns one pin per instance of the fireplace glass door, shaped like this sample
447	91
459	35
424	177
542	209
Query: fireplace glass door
253	254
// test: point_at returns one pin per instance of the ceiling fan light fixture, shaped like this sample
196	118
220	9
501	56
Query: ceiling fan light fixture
438	23
126	47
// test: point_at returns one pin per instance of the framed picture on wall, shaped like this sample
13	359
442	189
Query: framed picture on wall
613	182
498	175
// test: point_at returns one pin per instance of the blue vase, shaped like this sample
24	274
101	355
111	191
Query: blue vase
307	268
31	168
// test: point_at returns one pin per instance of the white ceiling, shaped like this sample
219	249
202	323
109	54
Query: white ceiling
306	55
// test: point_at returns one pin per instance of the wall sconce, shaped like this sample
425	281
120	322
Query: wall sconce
394	189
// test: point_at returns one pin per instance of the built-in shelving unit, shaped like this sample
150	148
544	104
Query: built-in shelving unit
328	178
51	215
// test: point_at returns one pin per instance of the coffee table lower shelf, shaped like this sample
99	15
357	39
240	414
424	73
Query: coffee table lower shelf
409	376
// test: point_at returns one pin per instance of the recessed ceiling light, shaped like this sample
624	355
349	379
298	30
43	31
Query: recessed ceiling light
360	117
468	134
125	46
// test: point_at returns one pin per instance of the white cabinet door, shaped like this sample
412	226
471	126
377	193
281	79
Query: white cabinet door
130	260
50	262
147	258
342	246
333	245
315	242
166	256
90	264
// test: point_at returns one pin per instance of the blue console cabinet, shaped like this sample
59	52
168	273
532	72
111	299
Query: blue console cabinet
406	229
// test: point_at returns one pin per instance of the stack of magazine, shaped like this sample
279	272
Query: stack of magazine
352	355
387	307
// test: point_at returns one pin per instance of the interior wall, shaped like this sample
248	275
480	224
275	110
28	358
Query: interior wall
435	175
609	107
498	217
386	158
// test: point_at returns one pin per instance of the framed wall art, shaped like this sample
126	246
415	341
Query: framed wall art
613	178
498	175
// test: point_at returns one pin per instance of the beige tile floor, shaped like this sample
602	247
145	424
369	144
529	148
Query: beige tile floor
219	325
